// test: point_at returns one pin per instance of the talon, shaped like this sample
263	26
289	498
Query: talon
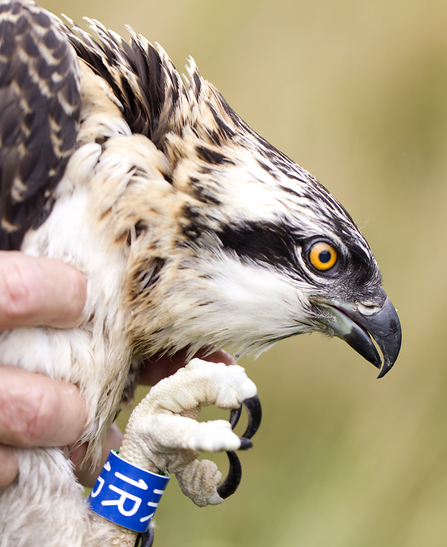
231	483
245	443
234	417
145	539
254	411
233	479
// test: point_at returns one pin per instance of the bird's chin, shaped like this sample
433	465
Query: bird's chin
161	366
363	327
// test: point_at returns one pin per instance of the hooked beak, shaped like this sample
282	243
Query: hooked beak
359	325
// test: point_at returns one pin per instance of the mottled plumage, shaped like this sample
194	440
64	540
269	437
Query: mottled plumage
39	111
191	229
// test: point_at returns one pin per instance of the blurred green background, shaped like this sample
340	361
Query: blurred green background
356	92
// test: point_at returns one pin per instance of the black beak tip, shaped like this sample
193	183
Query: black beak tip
383	328
391	340
389	360
385	369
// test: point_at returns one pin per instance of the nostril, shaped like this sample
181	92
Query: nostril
368	309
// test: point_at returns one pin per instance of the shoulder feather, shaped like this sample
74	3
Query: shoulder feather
39	109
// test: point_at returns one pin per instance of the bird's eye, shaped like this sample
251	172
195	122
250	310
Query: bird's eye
323	256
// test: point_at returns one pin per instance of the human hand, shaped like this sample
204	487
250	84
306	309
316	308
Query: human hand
34	409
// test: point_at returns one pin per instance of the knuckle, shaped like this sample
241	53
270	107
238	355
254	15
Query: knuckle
18	288
40	416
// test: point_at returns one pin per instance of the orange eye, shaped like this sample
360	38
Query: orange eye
322	256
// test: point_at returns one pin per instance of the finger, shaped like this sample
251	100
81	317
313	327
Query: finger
159	367
86	474
38	411
9	467
39	291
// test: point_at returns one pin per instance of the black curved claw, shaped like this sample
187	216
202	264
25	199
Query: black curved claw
145	539
230	484
234	417
254	411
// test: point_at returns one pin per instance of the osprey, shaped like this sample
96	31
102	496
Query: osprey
194	233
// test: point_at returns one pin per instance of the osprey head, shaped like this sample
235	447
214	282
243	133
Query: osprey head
230	242
259	250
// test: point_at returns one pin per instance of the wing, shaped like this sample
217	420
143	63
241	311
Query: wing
39	111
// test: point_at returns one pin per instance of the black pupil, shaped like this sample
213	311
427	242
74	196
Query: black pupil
325	256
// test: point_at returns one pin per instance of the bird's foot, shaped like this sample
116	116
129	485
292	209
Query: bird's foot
163	431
